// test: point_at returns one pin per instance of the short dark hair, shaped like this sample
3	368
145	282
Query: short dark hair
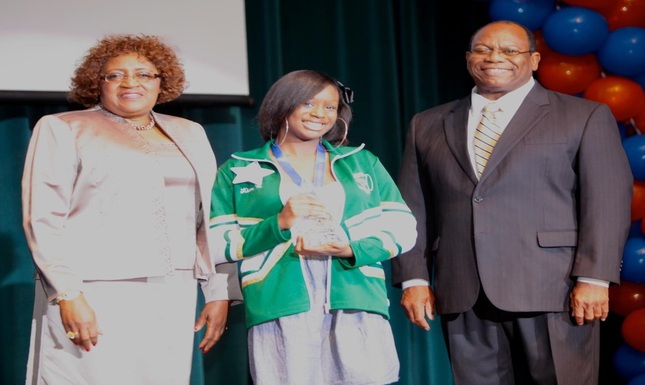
529	34
291	91
85	88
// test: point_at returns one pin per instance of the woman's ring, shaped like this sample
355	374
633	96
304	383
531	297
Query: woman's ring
72	335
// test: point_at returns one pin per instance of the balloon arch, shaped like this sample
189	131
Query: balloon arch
595	49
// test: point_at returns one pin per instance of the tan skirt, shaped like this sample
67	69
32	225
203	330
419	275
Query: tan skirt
147	335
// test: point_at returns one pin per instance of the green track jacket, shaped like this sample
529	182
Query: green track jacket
244	227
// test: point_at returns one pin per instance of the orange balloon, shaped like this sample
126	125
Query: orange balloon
624	96
596	5
625	13
633	329
638	201
626	297
542	47
568	74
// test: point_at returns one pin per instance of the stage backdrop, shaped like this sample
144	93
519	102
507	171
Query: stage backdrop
45	39
400	57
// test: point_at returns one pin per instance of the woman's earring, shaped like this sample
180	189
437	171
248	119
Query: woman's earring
286	131
345	135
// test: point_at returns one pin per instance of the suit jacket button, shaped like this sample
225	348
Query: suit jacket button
478	199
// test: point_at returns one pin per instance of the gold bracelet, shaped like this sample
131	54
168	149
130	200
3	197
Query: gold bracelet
67	296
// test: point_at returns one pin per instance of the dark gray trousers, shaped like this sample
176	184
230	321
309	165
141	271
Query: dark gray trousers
489	346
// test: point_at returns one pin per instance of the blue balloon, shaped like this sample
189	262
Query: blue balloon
633	268
529	13
640	80
635	229
629	362
575	31
639	380
623	52
635	149
623	130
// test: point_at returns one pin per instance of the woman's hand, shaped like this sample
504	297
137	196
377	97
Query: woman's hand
79	322
213	315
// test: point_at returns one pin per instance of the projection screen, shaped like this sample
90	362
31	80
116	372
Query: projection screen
42	41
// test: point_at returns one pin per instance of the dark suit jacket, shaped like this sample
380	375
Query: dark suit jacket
552	204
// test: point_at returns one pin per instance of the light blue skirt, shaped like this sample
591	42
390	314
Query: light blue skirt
343	347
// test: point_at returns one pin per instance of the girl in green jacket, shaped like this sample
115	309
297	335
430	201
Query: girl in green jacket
310	221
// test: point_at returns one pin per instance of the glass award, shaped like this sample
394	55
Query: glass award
318	230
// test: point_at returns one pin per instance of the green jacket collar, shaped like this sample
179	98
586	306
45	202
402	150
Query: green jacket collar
262	153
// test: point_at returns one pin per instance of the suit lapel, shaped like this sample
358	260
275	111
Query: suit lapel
183	137
530	113
456	131
177	135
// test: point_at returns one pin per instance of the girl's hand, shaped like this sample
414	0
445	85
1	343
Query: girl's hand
298	206
336	249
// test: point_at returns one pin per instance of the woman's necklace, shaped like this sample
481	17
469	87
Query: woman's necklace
142	128
120	119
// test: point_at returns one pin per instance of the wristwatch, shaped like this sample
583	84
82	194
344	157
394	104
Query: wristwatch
67	296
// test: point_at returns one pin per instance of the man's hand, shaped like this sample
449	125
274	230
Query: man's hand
589	302
418	303
213	315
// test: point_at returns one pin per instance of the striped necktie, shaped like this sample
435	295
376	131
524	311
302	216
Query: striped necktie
486	135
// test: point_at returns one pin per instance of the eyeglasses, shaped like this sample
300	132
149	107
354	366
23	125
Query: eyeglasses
506	52
139	77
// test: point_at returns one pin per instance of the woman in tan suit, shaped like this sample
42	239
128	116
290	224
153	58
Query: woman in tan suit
113	204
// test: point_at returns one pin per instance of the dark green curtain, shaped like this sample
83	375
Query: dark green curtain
400	57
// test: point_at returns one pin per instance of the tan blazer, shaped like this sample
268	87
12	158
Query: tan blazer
92	201
552	204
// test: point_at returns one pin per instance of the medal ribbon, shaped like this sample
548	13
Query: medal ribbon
319	170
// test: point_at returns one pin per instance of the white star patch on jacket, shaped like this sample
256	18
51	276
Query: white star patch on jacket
252	173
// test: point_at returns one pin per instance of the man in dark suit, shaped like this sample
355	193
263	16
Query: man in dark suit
522	240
